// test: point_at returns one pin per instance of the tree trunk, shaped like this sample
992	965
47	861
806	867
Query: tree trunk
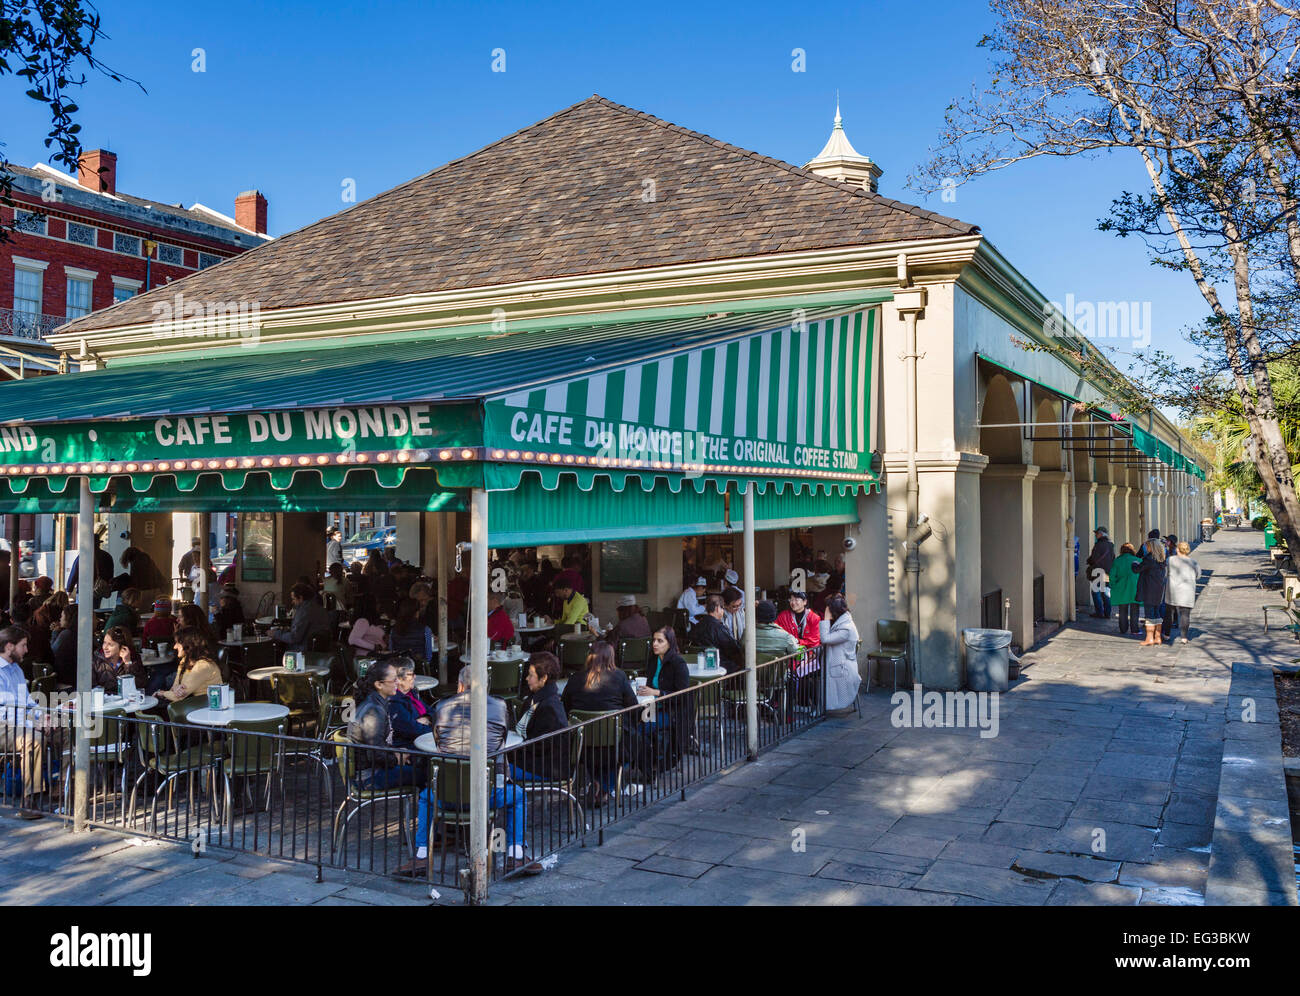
1274	466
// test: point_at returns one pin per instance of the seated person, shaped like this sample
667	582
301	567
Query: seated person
63	647
800	621
127	613
711	631
229	611
573	605
336	584
689	600
409	634
309	619
600	686
544	714
366	637
410	716
452	732
631	625
196	666
666	673
501	630
115	658
372	726
769	638
163	624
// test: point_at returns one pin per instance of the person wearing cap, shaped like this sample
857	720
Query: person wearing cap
163	624
689	600
631	625
733	605
1099	561
769	638
229	612
800	621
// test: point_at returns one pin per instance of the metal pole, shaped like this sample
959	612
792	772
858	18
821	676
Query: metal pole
477	635
912	562
85	635
440	518
205	557
751	632
14	557
61	549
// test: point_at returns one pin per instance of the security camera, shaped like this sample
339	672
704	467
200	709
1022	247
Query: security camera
125	534
850	543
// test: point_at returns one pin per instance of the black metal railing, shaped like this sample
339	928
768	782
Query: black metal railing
27	325
991	610
331	803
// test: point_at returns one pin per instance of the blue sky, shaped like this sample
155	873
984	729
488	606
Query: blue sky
296	97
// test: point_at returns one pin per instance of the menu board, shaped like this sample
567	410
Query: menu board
623	566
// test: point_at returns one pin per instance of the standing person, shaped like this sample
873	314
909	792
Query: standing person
1183	575
101	571
1151	590
333	548
1123	589
1099	562
839	635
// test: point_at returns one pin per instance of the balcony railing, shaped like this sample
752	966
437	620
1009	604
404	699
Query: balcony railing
25	325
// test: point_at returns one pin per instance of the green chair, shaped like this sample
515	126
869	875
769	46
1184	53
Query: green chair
565	786
634	653
358	797
449	786
252	757
892	636
602	739
300	693
573	655
108	747
160	758
503	679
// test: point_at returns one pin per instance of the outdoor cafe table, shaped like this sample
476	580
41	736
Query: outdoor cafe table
153	660
427	743
135	705
246	641
264	673
705	673
242	711
423	682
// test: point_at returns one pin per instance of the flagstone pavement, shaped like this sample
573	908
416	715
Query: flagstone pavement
1100	787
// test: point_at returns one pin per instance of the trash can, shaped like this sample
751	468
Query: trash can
987	659
1207	530
1270	537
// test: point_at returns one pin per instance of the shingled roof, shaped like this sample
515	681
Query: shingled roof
566	196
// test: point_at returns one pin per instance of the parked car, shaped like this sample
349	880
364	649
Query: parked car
26	559
359	545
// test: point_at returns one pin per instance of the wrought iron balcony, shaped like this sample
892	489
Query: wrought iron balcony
25	325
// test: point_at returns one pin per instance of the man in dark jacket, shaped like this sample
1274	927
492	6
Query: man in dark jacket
333	548
451	730
711	631
1102	556
102	571
309	619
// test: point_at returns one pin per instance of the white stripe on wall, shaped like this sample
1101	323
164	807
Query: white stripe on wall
801	415
742	387
860	382
783	388
690	417
519	400
819	396
764	385
596	396
836	399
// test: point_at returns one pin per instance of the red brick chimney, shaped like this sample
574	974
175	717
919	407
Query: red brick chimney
250	211
97	169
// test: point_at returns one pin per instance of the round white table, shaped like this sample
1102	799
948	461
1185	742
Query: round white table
704	673
246	641
117	702
534	630
427	744
423	682
242	711
153	660
264	673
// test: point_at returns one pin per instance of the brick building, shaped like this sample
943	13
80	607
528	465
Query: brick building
82	245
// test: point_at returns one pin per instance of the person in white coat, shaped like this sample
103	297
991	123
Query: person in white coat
1180	594
690	600
840	642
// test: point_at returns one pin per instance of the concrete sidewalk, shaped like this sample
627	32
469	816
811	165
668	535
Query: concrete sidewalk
1100	788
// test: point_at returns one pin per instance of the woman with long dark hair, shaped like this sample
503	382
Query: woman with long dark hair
196	666
116	658
372	726
1151	590
600	686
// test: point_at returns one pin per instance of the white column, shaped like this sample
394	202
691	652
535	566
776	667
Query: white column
751	629
441	595
13	559
477	636
85	637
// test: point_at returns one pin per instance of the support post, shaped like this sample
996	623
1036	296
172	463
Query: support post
205	557
85	636
477	637
60	551
751	629
14	557
441	595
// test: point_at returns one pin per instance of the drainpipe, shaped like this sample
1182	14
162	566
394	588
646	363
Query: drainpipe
910	302
476	893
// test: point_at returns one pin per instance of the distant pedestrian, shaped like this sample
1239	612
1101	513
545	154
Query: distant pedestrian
1183	575
1099	561
1123	589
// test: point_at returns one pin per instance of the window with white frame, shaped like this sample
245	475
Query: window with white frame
124	288
28	284
78	297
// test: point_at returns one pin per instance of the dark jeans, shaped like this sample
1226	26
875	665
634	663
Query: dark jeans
1101	603
1129	617
1184	618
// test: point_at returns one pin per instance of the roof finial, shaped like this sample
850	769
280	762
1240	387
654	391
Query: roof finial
837	110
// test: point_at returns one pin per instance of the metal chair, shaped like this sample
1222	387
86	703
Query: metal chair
602	739
359	797
567	786
573	655
250	758
633	652
892	636
449	787
265	605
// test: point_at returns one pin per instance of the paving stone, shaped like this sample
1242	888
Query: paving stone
1047	865
1116	842
681	867
1035	811
994	884
912	847
1069	893
979	853
708	846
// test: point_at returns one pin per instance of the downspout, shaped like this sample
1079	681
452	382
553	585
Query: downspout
910	302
